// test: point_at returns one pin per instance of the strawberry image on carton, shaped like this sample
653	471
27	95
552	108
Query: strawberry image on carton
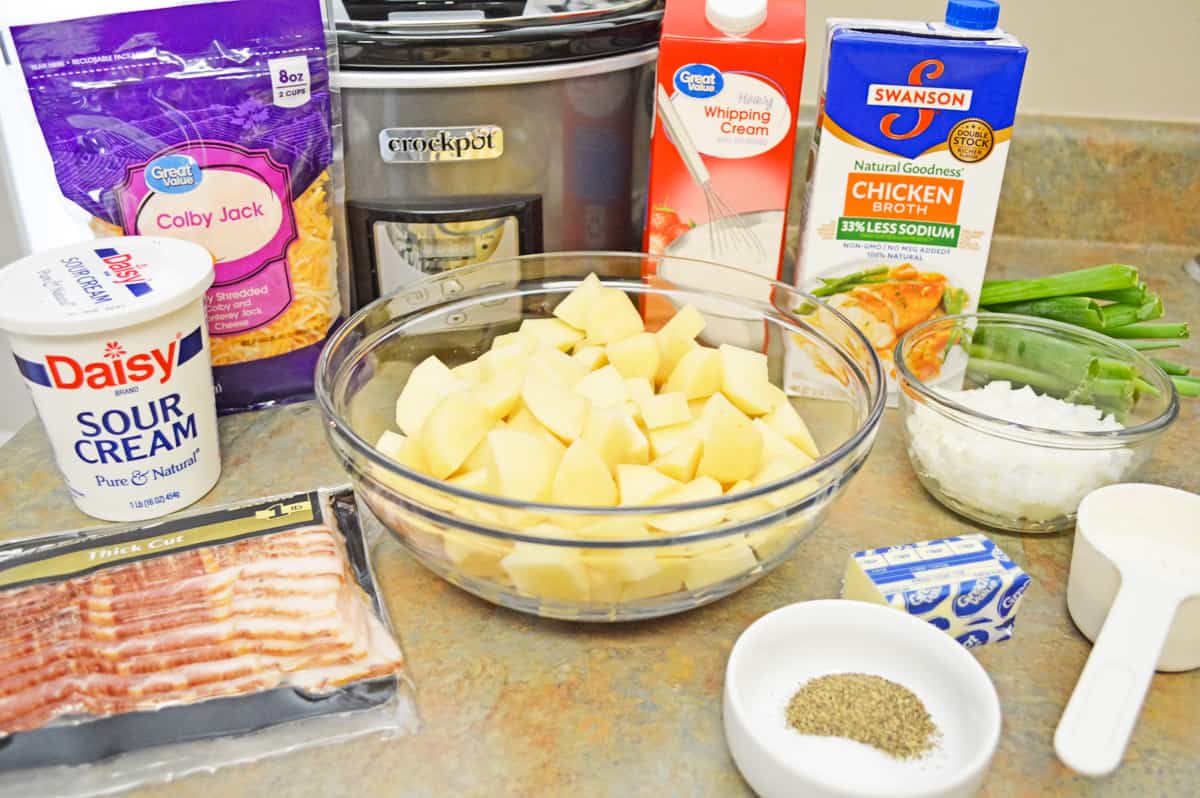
904	173
724	138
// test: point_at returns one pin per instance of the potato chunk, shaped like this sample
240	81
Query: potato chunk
583	478
744	380
635	356
612	317
574	307
676	338
429	382
521	465
697	375
665	410
557	407
452	430
732	448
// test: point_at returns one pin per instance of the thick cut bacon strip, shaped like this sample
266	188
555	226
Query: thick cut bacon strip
262	612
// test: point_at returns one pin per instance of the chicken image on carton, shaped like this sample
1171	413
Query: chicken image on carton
904	173
965	585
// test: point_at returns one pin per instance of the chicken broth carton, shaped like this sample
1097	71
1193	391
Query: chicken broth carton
904	174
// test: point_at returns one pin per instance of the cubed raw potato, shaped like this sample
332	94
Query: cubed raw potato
775	395
583	479
521	465
454	428
523	421
640	484
697	375
603	388
499	362
628	565
429	383
696	407
500	394
615	437
732	448
698	489
556	406
778	469
680	463
512	339
554	333
775	446
665	410
476	479
389	443
773	540
591	357
477	459
476	555
744	380
617	527
716	566
716	405
665	439
470	372
550	573
611	317
635	356
557	366
638	389
676	338
787	422
574	307
668	580
745	509
603	585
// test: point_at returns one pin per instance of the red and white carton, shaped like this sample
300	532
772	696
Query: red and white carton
729	74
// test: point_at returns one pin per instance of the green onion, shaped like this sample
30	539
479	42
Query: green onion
1111	277
1108	368
1144	387
1128	296
1076	310
1174	369
1187	386
982	370
1118	316
1160	330
1150	346
954	300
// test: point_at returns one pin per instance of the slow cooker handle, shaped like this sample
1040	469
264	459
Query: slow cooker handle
383	10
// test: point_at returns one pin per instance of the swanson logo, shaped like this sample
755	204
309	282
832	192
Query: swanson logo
429	144
927	99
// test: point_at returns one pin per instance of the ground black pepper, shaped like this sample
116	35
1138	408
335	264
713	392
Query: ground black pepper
869	709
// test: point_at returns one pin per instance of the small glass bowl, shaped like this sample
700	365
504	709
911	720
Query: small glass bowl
1013	476
714	547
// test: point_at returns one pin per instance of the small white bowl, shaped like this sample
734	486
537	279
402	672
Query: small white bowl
794	644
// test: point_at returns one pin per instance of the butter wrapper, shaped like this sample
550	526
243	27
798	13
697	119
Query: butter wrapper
964	585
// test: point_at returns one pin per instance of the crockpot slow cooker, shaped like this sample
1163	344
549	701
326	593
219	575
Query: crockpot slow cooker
492	128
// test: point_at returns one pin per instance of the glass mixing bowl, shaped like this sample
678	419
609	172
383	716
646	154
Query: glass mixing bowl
1015	476
701	550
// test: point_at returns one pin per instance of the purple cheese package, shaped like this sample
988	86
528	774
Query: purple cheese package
211	123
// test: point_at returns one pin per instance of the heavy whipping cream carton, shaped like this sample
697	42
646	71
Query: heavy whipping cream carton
729	75
110	338
905	171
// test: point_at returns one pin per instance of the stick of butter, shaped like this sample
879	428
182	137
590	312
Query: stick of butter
965	585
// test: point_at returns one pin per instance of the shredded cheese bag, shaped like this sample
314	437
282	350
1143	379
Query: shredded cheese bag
211	123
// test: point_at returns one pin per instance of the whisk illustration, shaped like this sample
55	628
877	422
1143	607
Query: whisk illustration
728	231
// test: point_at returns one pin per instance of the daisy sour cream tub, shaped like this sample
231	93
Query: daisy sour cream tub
109	336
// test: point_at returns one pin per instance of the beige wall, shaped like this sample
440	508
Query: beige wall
1136	59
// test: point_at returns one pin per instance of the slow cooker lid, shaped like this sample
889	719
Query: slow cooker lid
437	34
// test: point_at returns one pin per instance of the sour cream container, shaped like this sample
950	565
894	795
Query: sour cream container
110	338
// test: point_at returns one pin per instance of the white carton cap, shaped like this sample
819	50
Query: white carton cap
735	17
99	285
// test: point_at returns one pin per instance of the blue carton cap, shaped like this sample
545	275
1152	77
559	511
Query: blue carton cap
973	14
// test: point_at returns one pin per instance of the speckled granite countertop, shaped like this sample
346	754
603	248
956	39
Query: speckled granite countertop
514	705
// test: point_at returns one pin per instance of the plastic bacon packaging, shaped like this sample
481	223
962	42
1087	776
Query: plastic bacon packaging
255	628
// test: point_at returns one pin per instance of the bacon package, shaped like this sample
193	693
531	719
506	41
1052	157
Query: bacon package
225	623
213	123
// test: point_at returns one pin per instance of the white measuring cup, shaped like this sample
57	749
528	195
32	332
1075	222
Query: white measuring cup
1134	588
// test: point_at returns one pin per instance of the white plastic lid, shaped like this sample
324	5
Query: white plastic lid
735	17
103	284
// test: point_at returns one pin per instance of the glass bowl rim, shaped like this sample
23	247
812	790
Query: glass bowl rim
324	383
1045	436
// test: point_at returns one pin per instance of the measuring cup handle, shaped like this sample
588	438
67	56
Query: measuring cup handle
1099	718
